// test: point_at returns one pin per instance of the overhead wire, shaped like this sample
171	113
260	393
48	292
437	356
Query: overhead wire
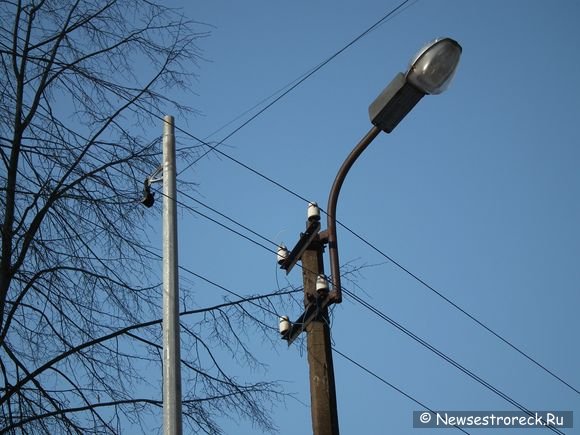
223	215
369	244
439	353
384	381
391	14
368	306
433	349
425	284
278	315
421	281
151	252
252	299
442	355
462	310
354	297
303	78
290	191
351	295
412	275
282	292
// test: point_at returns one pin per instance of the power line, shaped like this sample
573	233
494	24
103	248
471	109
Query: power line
394	387
380	252
227	290
414	276
302	80
425	284
313	70
199	276
372	309
372	246
441	354
497	335
429	347
252	299
368	243
297	82
276	314
457	307
228	218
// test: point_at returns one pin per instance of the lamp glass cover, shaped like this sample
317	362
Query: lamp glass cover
433	68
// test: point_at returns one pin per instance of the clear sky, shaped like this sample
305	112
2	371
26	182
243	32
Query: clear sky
476	192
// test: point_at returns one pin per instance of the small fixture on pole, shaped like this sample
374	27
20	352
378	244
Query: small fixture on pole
148	198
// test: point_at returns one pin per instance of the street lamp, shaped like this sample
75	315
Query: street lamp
430	72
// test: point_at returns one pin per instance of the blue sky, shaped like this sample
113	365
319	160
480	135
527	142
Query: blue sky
475	192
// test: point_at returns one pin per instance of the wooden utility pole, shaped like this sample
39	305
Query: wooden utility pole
322	388
314	321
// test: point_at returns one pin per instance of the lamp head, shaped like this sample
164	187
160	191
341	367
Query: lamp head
434	66
430	72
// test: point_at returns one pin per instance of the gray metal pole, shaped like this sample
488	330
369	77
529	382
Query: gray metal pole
171	349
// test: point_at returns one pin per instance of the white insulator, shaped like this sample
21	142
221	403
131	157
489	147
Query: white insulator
282	253
321	284
313	212
284	325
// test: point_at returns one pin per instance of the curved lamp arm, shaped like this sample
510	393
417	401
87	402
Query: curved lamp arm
335	295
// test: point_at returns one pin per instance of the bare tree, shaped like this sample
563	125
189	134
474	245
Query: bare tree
81	81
